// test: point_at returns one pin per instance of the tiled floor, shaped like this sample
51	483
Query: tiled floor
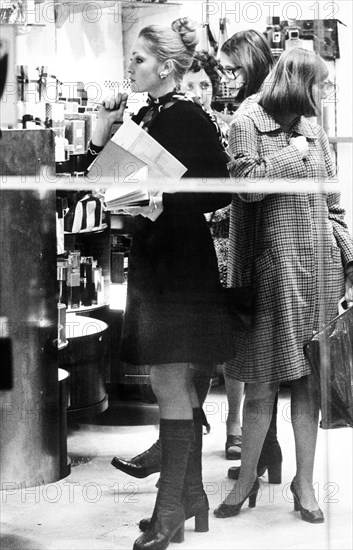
97	507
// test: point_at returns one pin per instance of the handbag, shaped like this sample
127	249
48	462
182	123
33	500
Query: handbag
330	353
237	303
84	212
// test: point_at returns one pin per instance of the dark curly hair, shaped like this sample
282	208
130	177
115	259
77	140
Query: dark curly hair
207	62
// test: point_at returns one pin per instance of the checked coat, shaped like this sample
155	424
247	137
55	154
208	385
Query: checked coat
292	247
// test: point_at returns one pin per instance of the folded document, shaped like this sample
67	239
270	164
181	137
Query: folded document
128	160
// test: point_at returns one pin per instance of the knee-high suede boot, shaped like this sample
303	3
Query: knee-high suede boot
149	462
194	498
168	517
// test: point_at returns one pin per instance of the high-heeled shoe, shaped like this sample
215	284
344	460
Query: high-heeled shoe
168	516
193	499
227	510
311	516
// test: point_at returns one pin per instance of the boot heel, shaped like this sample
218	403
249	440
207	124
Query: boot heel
252	500
275	473
201	522
179	534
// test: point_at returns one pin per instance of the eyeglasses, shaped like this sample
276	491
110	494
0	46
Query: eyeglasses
230	72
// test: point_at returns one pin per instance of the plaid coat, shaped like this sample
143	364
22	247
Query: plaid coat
291	247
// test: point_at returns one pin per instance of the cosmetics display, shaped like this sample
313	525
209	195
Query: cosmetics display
80	281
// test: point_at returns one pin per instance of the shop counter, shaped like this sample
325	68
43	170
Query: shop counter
84	358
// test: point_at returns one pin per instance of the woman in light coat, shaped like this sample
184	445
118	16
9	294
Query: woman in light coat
295	250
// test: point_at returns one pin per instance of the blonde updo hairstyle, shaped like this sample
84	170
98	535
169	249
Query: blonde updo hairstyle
176	44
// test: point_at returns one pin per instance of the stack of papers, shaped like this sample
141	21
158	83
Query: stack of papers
129	159
161	164
117	165
116	200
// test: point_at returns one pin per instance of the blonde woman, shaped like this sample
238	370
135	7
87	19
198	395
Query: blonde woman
172	274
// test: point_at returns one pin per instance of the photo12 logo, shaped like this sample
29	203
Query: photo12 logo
253	12
69	12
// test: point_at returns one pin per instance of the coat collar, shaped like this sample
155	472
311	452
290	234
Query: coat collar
266	123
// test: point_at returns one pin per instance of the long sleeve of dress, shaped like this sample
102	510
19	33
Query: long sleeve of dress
243	139
194	142
340	230
285	162
336	212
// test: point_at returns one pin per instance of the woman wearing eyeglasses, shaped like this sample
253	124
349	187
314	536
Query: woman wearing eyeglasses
246	59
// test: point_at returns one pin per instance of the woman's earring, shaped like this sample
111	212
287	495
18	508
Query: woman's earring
163	74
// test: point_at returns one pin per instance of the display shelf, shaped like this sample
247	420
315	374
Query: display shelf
85	359
88	231
82	309
89	412
95	243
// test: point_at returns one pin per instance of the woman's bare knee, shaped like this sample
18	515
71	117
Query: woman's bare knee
167	381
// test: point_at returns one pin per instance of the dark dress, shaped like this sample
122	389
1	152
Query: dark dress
172	314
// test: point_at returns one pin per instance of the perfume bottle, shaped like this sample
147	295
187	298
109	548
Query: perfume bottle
98	280
274	36
61	273
86	281
292	34
73	279
73	286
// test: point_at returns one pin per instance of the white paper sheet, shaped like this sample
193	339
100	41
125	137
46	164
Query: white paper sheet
137	141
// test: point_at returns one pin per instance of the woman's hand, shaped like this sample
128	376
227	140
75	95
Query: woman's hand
349	285
111	110
301	144
152	211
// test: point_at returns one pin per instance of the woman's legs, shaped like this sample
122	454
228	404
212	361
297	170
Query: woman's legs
172	387
305	419
235	393
148	462
201	374
257	414
193	497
